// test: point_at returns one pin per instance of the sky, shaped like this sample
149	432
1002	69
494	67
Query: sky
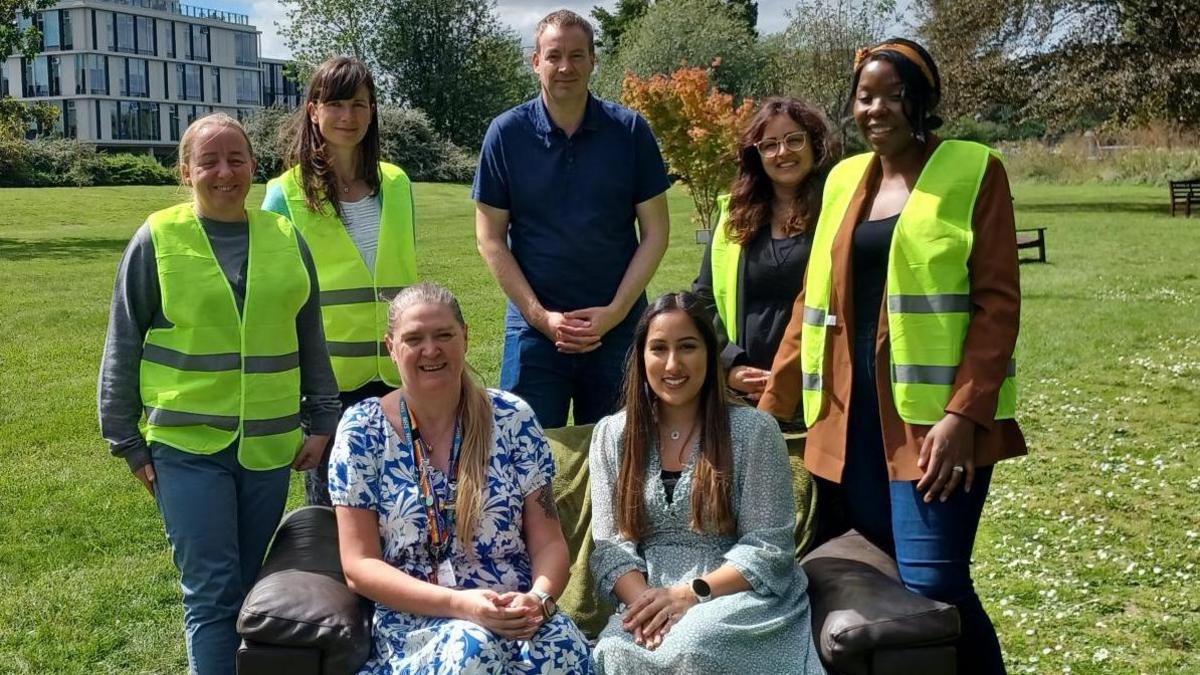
521	15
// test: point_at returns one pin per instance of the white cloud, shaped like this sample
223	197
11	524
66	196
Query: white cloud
263	15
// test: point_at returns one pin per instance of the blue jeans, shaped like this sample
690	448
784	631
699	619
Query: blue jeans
549	381
219	518
932	542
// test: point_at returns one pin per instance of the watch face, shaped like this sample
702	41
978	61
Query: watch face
700	587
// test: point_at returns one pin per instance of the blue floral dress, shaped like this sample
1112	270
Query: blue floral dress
371	467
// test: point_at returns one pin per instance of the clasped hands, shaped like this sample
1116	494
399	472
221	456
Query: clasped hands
579	331
512	615
652	614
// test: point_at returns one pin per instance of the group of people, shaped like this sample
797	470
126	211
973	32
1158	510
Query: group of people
873	300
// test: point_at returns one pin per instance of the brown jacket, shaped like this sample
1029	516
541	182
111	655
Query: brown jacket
991	339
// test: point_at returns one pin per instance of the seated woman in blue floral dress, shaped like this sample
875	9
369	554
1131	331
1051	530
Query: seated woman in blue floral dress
446	515
693	516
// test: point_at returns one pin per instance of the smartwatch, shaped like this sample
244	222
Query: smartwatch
701	589
549	606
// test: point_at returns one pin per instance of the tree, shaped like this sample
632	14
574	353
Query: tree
450	58
614	24
1073	63
674	33
26	40
813	57
697	127
455	61
16	118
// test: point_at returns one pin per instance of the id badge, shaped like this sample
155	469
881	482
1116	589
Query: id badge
445	574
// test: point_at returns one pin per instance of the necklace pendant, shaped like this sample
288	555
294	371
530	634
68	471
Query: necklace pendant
675	435
428	500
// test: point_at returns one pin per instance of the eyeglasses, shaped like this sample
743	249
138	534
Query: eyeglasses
771	147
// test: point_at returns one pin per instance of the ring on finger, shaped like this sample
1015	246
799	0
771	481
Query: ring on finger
959	468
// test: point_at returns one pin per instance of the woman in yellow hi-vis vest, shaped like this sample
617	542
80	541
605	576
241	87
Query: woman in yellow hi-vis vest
901	343
754	266
214	355
356	215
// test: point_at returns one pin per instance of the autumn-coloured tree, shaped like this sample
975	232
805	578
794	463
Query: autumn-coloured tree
697	127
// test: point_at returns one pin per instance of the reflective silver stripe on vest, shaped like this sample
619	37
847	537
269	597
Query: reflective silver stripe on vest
175	418
814	316
195	362
272	364
356	348
278	425
929	304
924	374
351	296
810	381
935	374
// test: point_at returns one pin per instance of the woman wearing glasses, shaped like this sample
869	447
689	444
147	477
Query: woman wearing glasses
754	266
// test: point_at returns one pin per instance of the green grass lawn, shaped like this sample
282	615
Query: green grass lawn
1088	557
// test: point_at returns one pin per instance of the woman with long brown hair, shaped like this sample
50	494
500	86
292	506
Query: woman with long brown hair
692	514
754	266
356	214
446	515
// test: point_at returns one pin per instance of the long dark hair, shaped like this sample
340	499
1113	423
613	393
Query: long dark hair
334	80
750	199
712	507
920	97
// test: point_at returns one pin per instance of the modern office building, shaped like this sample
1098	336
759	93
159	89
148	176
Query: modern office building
132	74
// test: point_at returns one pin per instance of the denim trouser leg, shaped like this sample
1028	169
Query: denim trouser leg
600	376
219	519
533	369
933	550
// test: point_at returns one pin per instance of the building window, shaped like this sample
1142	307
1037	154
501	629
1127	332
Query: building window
146	42
55	27
68	124
198	43
166	81
247	86
80	74
41	76
135	77
216	84
247	49
135	121
126	35
173	121
190	86
3	78
97	73
170	39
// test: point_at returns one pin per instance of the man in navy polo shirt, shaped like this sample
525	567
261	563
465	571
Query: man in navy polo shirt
561	179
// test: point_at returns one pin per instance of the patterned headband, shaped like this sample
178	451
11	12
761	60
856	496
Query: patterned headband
907	52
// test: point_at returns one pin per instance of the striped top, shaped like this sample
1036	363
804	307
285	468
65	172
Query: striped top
362	219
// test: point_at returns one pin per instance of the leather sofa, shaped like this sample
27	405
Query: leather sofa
301	619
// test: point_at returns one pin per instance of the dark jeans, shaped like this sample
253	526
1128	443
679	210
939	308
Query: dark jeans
931	542
316	481
550	381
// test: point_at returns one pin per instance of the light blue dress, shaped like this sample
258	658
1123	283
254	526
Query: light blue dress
371	467
764	630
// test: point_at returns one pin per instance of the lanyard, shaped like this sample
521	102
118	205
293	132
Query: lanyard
439	512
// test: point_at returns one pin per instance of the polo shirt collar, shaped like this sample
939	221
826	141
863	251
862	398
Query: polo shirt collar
545	125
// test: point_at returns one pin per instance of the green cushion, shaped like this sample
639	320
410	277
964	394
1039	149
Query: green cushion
572	494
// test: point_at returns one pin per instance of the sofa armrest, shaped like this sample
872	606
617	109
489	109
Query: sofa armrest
301	598
860	608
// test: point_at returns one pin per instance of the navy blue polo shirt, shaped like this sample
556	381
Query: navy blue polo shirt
570	200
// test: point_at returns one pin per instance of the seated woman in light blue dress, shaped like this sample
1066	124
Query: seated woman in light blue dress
446	515
693	516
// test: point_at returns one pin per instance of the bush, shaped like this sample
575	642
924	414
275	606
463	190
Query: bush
126	169
46	163
406	139
1076	161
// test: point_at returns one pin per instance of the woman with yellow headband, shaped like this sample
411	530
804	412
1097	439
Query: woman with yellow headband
901	344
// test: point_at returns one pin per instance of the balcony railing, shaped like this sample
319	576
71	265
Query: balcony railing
187	10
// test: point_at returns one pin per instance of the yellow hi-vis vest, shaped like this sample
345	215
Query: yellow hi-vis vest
928	284
354	299
725	262
216	375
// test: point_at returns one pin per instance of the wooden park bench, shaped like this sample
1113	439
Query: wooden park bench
1185	194
1032	237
